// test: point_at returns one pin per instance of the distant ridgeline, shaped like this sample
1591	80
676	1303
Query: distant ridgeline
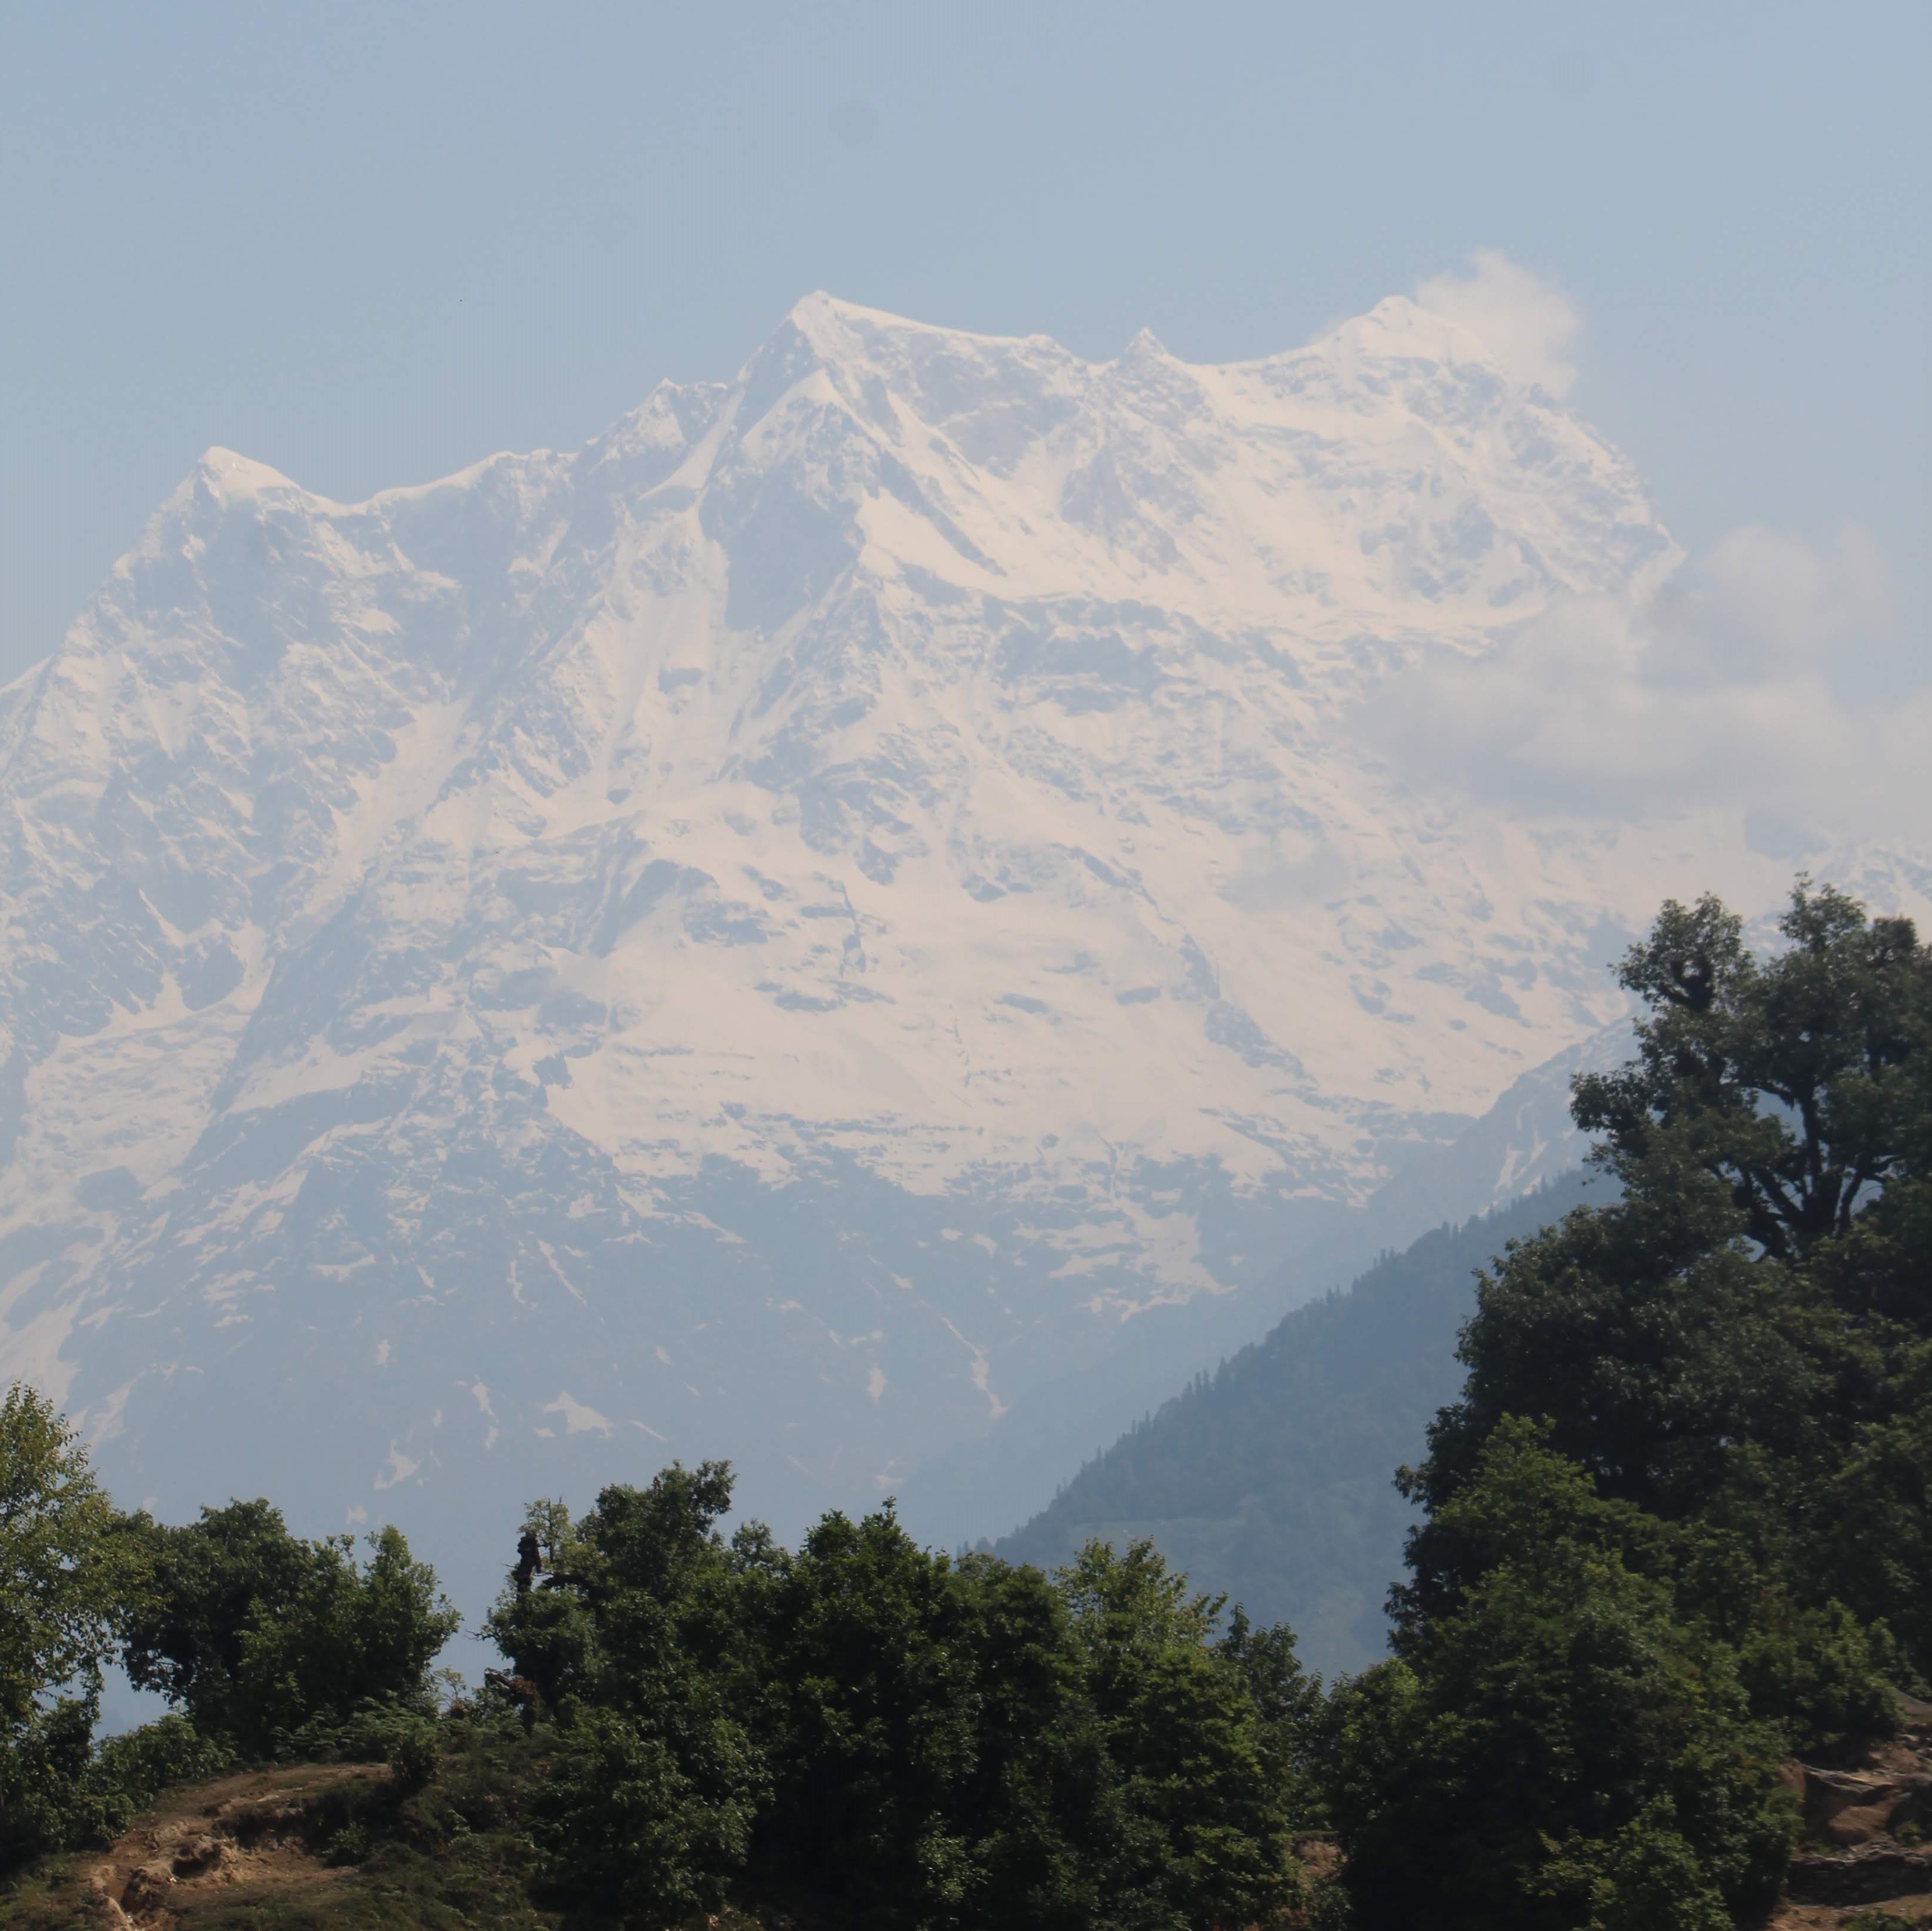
1273	1479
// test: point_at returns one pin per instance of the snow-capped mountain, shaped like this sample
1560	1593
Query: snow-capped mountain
781	930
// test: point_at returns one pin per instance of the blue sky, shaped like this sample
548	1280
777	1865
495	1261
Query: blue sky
367	243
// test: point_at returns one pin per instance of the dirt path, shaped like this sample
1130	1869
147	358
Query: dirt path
242	1833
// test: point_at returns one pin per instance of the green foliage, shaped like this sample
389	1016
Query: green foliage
65	1577
140	1763
61	1792
1797	1083
1651	1340
211	1580
349	1845
871	1726
62	1576
1648	1875
623	1823
1555	1733
633	1641
1822	1676
1875	1516
1204	1825
353	1634
975	1744
1328	1907
1287	1704
262	1637
414	1753
1741	1345
48	1801
1677	1523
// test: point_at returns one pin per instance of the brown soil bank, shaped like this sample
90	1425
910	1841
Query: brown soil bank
1866	1861
334	1847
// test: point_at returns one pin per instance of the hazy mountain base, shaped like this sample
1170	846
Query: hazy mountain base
1272	1480
351	1386
1007	1470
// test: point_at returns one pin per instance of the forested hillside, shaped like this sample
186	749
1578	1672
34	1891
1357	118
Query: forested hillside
1273	1478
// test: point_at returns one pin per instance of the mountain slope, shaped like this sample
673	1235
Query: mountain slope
780	931
976	1491
1272	1480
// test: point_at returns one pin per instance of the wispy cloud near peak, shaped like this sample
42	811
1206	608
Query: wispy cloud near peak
1526	324
1736	687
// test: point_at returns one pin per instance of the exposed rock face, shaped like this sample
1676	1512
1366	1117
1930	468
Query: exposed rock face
1865	1828
1874	1873
779	931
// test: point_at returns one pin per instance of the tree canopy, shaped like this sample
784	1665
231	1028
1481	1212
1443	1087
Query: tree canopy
1676	1524
869	1731
63	1581
255	1633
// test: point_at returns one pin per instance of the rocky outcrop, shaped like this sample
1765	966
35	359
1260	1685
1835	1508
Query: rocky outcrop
1866	1827
259	1831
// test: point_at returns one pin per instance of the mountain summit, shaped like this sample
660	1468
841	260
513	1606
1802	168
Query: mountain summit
776	931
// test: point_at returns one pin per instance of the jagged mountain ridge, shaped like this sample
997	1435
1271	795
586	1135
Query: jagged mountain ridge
778	929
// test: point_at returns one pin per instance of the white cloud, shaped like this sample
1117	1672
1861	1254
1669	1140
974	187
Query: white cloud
1525	324
1765	603
1726	690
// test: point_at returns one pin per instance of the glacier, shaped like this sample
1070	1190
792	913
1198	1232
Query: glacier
795	929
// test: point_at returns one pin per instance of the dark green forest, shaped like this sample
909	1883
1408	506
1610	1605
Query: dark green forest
1672	1534
1272	1475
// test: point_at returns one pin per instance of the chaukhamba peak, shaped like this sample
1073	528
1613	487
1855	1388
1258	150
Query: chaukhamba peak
781	932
